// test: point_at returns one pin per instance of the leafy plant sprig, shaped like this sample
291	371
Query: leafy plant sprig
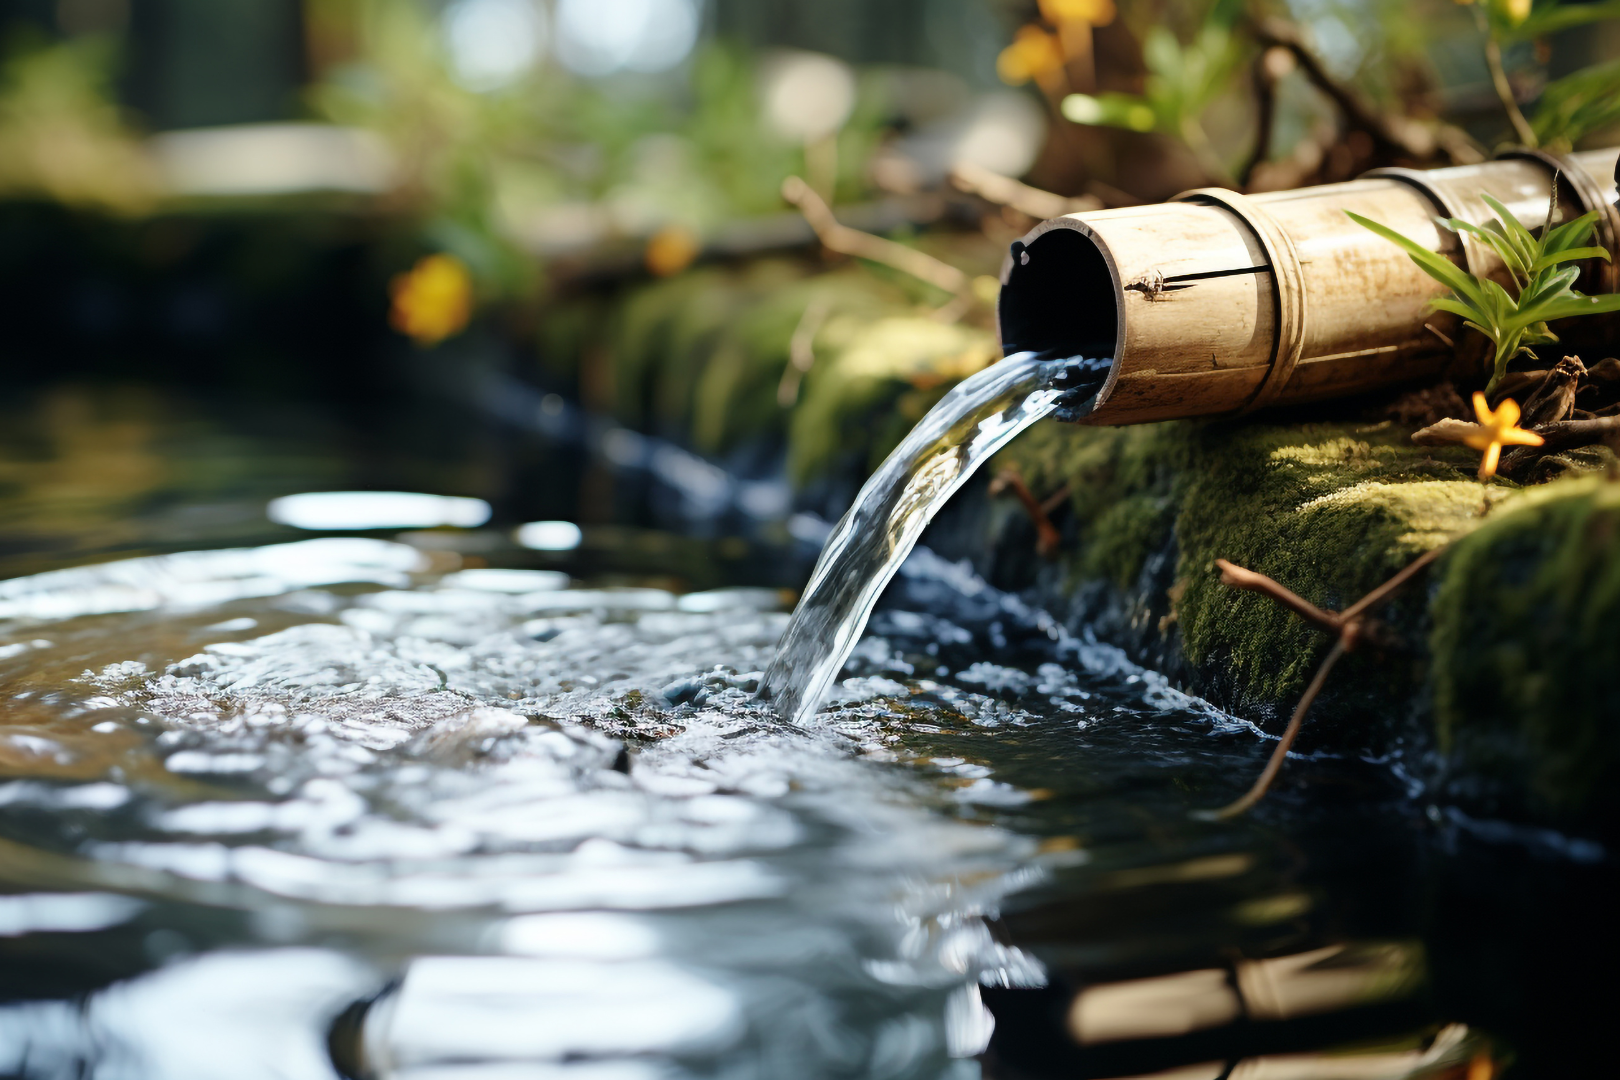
1578	104
1545	292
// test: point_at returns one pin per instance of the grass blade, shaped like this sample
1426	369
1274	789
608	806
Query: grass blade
1457	307
1570	233
1499	244
1523	242
1580	254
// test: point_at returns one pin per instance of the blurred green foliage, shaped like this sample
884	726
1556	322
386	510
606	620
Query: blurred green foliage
1183	82
483	167
1578	105
61	135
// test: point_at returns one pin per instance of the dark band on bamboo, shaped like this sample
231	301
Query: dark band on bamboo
1287	287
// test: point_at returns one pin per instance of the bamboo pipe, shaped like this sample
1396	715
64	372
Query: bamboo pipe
1220	303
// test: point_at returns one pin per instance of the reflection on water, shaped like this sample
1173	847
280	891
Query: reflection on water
424	766
446	806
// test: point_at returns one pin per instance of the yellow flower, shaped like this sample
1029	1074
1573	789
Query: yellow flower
1496	430
432	300
671	250
1034	54
1090	12
1513	12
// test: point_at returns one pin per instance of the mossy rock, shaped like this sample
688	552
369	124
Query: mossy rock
701	356
1508	647
1330	510
1526	651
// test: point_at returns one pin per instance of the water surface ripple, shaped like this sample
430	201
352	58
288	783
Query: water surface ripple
271	811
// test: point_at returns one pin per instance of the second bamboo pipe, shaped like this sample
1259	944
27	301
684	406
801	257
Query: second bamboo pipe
1219	303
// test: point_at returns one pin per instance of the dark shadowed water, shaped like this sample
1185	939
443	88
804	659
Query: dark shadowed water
424	804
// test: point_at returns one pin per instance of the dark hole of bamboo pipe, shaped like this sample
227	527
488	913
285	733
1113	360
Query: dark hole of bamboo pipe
1059	298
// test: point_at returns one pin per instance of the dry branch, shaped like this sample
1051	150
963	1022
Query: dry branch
1398	134
1047	537
1005	191
1350	627
801	352
1295	722
863	245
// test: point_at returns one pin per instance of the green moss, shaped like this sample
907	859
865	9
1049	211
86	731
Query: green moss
650	326
736	394
1123	486
703	353
1525	645
1329	510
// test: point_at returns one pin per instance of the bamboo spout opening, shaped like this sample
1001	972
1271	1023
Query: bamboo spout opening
1060	296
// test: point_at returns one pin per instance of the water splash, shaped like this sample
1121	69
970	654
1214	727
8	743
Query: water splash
977	418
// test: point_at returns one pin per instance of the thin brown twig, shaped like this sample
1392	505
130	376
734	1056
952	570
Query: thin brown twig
1569	434
1265	96
1056	499
1430	328
954	308
1047	537
1238	577
801	352
1387	589
1349	627
1504	88
1556	436
1273	766
1005	191
1112	196
864	245
1405	137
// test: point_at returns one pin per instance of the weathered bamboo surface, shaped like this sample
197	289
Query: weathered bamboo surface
1222	303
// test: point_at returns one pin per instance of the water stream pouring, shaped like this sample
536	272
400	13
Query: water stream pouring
978	417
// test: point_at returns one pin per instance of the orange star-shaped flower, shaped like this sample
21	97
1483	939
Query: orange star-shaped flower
1496	430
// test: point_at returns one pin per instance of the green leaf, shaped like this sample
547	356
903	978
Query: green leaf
1501	305
1545	285
1519	236
1579	254
1553	301
1570	233
1458	307
1569	305
1498	243
1432	263
1579	103
1551	18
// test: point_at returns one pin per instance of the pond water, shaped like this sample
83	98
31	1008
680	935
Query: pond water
430	804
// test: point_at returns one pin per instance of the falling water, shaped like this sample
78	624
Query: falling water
973	421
